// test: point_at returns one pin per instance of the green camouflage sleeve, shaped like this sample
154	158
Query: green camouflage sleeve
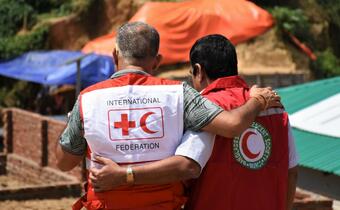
72	139
198	111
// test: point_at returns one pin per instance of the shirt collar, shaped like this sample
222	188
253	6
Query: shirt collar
226	82
128	71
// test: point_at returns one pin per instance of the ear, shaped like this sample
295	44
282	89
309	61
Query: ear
199	72
158	61
115	54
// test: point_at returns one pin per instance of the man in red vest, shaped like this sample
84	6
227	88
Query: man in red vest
134	118
256	170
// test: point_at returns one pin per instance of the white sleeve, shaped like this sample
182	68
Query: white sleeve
293	156
197	146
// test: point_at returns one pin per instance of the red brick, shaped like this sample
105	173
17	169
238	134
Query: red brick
27	137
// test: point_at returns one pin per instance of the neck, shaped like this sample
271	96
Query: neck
206	82
125	65
131	67
209	81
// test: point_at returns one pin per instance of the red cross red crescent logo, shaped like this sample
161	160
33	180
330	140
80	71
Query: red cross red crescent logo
136	123
245	148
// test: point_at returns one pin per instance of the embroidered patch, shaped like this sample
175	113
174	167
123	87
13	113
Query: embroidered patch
252	148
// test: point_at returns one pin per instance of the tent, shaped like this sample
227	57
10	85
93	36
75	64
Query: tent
314	110
180	24
58	67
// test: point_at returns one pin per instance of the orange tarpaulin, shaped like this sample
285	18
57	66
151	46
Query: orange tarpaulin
180	24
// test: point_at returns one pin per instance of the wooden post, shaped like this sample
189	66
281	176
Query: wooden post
292	78
259	80
44	143
78	79
277	80
8	131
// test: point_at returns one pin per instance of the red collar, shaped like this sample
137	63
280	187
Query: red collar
225	82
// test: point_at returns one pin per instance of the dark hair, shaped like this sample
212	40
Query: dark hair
216	54
137	40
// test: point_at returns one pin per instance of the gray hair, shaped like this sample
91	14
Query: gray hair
137	41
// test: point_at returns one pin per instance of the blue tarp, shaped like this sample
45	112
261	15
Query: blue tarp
54	67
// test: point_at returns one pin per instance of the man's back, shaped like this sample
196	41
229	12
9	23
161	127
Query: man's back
248	171
124	119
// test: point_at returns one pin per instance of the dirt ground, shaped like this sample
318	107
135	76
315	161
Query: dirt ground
46	204
10	182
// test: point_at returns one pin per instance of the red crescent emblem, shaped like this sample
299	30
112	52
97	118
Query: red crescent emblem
245	149
143	123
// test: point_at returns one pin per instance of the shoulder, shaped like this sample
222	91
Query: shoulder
130	79
100	85
161	81
228	98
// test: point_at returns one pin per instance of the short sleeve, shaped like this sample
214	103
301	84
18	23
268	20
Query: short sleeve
293	156
198	111
72	140
197	145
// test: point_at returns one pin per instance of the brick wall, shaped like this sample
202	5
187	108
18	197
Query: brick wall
27	135
34	137
54	129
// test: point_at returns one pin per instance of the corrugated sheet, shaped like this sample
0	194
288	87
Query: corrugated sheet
315	151
318	151
298	97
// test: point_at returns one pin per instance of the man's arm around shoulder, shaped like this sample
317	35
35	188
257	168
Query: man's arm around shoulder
187	163
232	123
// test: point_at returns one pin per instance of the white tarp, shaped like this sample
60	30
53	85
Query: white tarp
322	117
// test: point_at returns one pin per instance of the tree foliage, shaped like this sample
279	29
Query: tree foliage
326	65
12	16
19	32
15	45
292	20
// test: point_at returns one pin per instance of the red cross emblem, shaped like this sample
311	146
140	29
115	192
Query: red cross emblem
125	124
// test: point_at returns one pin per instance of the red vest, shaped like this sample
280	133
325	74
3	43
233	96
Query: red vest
151	197
236	177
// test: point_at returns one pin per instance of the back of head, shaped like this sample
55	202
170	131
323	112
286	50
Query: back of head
216	55
137	41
